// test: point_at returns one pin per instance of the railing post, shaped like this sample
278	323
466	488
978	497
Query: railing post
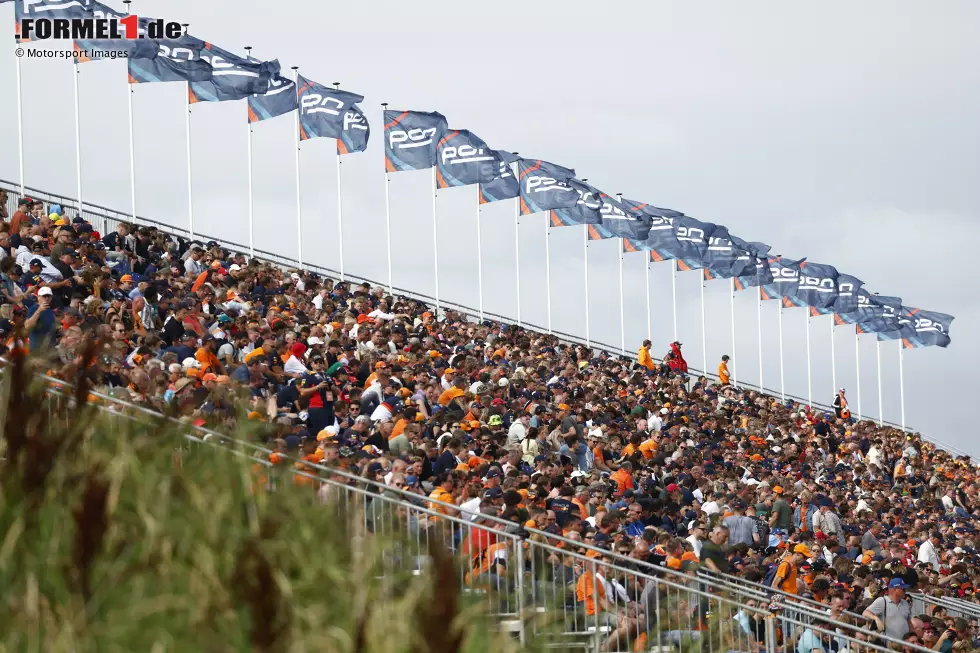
771	634
519	569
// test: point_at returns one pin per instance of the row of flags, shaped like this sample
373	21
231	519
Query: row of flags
418	140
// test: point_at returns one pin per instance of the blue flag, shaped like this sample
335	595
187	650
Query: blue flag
785	278
52	9
622	221
723	259
848	291
692	237
322	109
818	285
411	138
928	329
545	186
505	186
280	99
863	311
355	134
175	60
586	210
755	274
651	211
462	158
232	77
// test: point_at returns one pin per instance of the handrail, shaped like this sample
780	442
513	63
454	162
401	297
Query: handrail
104	213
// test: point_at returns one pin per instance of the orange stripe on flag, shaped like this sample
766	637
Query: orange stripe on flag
341	148
389	166
396	120
555	220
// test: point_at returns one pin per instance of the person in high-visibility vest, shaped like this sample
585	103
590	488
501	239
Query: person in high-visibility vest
840	405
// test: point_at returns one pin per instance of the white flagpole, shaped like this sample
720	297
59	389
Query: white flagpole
299	201
190	175
673	290
251	217
646	276
132	145
588	339
901	379
881	409
20	127
479	250
517	255
759	319
391	290
435	234
782	378
809	388
704	342
340	205
78	142
857	359
734	357
833	355
622	301
547	264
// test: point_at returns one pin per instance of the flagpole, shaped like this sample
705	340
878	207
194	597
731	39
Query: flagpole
190	176
880	405
248	124
782	378
758	315
20	127
901	379
588	339
435	235
622	302
673	290
340	205
547	264
833	355
479	250
857	359
734	357
809	388
391	290
78	141
299	201
517	255
132	145
646	276
704	341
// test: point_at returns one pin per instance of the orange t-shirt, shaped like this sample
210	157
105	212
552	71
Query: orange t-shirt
449	395
209	362
789	581
624	481
399	428
647	447
586	591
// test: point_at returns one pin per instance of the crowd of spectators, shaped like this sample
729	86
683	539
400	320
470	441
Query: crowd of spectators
640	458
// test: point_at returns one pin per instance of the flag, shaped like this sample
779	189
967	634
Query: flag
545	186
818	285
689	243
411	138
96	49
462	158
928	329
755	274
505	186
622	221
31	9
785	278
875	314
356	132
848	290
864	311
722	256
322	109
175	60
233	77
278	100
651	211
586	211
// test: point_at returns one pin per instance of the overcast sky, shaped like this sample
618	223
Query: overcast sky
844	132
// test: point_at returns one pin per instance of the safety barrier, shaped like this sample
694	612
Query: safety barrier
106	219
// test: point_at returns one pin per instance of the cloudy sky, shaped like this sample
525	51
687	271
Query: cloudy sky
844	132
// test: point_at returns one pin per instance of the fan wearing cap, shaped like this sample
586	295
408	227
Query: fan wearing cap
891	612
41	322
787	573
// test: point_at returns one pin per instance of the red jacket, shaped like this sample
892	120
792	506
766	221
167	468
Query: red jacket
677	362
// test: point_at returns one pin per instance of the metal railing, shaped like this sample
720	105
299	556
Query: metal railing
547	585
106	219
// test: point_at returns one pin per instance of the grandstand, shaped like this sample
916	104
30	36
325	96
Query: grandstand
571	481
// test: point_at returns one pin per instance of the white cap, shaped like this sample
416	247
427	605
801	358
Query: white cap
664	411
503	382
175	368
957	550
314	340
190	362
45	291
234	267
294	275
